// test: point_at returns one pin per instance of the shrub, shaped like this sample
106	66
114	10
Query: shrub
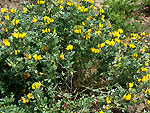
65	57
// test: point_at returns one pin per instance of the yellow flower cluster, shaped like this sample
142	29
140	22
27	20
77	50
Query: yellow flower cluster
143	34
26	100
147	91
135	55
117	40
108	100
3	10
127	97
69	4
15	22
132	46
13	10
19	35
110	43
69	47
144	78
48	20
34	19
89	1
46	30
36	85
78	31
6	42
17	51
82	9
143	69
95	50
116	34
101	11
37	57
120	31
101	45
40	2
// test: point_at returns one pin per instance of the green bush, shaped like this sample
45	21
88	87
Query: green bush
66	57
124	14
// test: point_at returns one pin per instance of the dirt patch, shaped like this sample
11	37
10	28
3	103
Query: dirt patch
12	4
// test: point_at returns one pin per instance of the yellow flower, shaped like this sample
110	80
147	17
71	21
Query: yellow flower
143	69
69	4
143	49
117	40
102	45
116	34
34	19
37	84
139	80
3	10
90	1
23	100
148	102
62	56
6	17
108	100
61	7
6	29
35	57
16	35
17	51
131	85
17	21
147	91
143	34
54	32
101	111
69	47
6	42
29	95
146	64
132	46
135	55
25	10
103	18
125	45
13	10
101	25
120	30
128	97
106	107
83	23
101	11
109	25
40	2
78	31
39	57
13	22
33	87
